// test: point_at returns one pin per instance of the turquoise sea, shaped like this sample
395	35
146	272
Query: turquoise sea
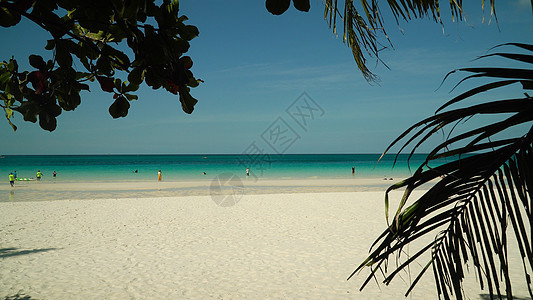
94	168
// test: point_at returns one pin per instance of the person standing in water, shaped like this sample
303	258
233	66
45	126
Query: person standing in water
54	174
247	172
11	179
159	175
39	174
353	170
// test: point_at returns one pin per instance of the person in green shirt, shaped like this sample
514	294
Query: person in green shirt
39	175
11	179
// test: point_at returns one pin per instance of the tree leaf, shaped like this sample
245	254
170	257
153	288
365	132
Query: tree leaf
120	59
5	77
63	56
9	112
12	66
277	7
47	121
50	45
9	17
189	32
131	97
70	100
130	88
37	62
103	66
187	101
302	5
136	75
119	108
106	83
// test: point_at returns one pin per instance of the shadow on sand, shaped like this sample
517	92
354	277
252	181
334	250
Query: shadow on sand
487	297
19	297
8	252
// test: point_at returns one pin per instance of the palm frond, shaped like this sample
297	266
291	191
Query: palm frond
363	26
486	194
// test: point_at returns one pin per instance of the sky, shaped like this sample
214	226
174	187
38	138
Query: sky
260	70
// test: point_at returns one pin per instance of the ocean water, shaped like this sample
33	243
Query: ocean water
95	168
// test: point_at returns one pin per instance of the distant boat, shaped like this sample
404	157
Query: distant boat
1	156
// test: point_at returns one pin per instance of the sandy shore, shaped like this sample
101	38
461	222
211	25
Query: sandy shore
58	190
263	246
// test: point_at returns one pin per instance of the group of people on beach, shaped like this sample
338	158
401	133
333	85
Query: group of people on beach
13	175
38	175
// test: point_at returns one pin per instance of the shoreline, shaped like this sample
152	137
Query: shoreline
57	190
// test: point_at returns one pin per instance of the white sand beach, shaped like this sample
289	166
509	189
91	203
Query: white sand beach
290	245
61	190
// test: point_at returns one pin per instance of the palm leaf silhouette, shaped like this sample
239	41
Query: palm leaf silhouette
363	26
486	193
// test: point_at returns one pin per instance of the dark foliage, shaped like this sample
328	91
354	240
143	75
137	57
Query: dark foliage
481	194
85	38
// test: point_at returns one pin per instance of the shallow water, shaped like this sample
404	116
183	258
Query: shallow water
82	168
137	170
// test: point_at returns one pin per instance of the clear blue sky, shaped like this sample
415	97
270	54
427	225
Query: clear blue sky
255	65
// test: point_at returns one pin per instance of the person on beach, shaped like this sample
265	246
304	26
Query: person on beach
353	170
54	174
11	179
159	175
247	172
39	174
